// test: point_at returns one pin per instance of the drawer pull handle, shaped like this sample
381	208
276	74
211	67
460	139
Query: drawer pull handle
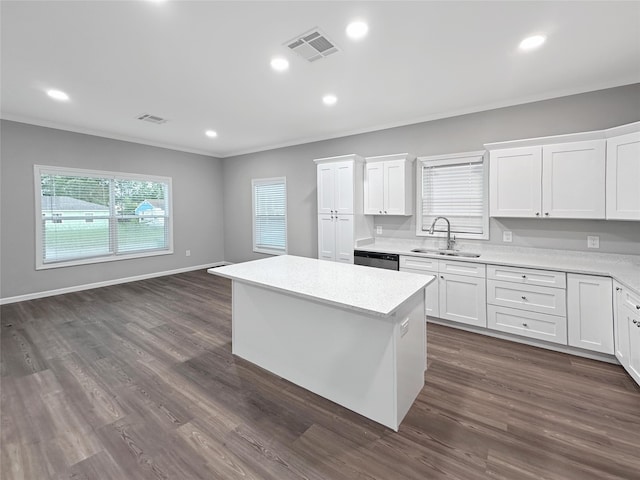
525	325
524	298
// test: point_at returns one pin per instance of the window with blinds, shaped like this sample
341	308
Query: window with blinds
87	216
454	186
270	215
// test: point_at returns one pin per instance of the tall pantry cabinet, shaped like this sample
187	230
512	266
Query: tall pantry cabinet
340	207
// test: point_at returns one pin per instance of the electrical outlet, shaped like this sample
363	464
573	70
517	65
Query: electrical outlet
593	241
378	229
507	236
188	253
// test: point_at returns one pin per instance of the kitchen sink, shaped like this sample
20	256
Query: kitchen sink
449	253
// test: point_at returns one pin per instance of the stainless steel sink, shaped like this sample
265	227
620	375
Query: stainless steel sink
450	253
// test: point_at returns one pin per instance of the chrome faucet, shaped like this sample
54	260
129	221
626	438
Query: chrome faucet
449	241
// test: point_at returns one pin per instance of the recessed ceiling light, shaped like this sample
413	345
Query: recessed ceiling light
532	42
211	133
357	30
58	95
279	64
329	99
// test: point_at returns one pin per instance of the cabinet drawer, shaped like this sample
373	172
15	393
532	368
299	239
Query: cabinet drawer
527	276
528	324
419	263
547	300
467	269
631	300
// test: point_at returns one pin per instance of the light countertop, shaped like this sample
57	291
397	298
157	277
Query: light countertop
623	268
370	290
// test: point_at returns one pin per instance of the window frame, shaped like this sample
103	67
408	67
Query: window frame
40	263
453	159
268	181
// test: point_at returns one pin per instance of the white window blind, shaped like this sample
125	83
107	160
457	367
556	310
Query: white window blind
270	215
87	216
454	188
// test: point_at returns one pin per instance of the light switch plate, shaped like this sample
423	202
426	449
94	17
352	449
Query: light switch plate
378	229
507	236
593	241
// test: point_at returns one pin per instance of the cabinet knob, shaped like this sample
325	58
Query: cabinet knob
380	211
637	307
524	276
635	321
442	277
525	325
546	214
618	289
537	214
385	211
524	298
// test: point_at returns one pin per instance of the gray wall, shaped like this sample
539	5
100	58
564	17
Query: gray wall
197	203
576	113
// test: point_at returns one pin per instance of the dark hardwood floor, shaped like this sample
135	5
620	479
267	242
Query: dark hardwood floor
137	381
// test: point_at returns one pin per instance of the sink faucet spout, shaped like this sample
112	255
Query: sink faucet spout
449	241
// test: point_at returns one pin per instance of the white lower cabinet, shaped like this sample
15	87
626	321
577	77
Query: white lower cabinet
590	312
335	238
463	299
427	266
541	326
531	303
627	330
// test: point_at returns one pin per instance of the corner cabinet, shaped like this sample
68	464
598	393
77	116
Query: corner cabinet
627	330
557	180
388	185
623	173
340	216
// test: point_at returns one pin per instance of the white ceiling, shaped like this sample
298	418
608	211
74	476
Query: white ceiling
205	65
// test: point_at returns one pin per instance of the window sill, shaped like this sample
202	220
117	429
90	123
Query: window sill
93	260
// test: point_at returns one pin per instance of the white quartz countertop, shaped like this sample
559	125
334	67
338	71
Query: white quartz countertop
370	290
623	268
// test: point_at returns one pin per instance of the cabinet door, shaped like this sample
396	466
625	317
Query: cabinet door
515	188
326	188
633	326
623	177
395	188
620	330
463	299
344	184
573	180
590	312
327	237
344	238
431	297
374	188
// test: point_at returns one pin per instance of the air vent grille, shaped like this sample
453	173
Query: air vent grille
145	117
312	45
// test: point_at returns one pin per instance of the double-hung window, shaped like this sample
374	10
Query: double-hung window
270	215
454	187
86	216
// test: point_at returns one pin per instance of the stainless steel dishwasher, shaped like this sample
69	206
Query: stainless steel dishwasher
389	261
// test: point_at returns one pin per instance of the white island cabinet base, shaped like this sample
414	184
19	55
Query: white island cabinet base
371	362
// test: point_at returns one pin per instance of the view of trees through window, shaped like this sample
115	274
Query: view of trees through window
126	215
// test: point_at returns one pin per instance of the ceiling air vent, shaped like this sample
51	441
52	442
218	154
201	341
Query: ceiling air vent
151	118
312	45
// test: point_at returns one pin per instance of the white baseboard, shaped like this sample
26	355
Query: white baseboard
106	283
603	357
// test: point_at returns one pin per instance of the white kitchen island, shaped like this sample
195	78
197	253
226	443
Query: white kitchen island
355	335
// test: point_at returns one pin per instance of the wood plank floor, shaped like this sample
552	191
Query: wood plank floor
137	381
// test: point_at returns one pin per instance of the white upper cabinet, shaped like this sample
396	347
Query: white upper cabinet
514	180
388	185
337	184
573	180
623	176
558	180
